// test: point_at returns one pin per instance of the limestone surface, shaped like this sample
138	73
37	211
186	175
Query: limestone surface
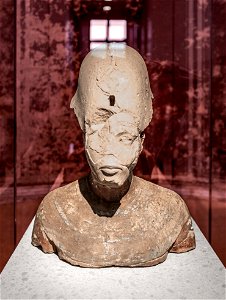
112	218
140	230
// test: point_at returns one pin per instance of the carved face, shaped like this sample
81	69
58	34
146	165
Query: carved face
112	147
113	104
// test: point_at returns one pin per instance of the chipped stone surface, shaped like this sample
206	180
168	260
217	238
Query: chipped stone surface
139	231
117	71
112	218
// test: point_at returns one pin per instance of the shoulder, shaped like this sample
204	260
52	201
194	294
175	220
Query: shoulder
56	201
154	190
62	194
50	215
171	212
68	189
162	198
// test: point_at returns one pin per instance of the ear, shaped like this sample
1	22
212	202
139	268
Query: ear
78	107
73	100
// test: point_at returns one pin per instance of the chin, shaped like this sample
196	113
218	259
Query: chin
113	183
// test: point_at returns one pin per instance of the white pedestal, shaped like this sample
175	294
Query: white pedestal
31	274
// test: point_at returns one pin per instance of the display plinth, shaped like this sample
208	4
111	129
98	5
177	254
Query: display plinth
31	274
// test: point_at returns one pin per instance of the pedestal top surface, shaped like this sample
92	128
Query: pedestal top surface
31	274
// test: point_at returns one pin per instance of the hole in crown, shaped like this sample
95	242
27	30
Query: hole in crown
112	100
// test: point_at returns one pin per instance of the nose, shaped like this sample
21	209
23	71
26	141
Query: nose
107	141
110	160
110	145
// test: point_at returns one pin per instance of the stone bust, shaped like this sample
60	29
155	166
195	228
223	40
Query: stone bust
111	217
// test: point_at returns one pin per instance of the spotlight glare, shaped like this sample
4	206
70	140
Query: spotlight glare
106	8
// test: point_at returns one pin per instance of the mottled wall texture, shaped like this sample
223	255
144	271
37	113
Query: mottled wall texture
7	132
47	68
183	43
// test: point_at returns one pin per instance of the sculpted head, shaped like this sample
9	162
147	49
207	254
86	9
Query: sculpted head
113	104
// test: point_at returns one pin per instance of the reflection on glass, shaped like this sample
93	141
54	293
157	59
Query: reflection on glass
98	30
97	44
120	45
188	153
117	30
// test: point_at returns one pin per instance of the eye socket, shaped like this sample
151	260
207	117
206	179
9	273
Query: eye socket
127	139
94	128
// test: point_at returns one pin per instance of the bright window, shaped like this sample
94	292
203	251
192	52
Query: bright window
98	30
105	31
117	30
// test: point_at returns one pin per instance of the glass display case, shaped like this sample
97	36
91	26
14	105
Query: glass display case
183	44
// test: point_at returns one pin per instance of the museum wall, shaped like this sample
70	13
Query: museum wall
41	145
7	133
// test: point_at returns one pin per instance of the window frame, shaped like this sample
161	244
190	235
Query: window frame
107	40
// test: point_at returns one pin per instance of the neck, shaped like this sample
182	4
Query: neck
109	193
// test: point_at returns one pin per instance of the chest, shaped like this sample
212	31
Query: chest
131	234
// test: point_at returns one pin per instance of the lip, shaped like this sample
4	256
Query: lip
110	170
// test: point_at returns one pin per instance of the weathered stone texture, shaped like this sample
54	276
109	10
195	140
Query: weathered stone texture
149	222
112	218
